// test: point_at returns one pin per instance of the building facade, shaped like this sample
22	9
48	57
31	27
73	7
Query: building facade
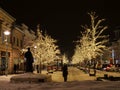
19	35
6	22
115	48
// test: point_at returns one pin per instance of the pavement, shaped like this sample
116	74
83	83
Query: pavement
77	80
74	74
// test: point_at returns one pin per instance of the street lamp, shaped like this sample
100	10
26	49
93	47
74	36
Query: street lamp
6	33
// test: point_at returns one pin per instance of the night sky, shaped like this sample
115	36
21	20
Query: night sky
62	19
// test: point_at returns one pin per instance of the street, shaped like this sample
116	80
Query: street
77	80
74	74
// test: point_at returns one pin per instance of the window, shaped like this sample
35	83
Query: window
21	43
0	30
0	27
13	40
3	38
17	42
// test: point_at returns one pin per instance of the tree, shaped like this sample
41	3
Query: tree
46	50
65	59
92	42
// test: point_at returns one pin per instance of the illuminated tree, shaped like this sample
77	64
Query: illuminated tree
82	49
65	59
51	48
46	50
92	42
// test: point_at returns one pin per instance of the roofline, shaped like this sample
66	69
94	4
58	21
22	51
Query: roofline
7	14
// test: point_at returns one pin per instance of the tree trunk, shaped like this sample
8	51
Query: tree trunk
94	67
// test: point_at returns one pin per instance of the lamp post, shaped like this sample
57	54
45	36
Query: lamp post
6	33
38	60
35	60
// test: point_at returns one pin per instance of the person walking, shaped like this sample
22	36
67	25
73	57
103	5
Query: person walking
29	61
65	72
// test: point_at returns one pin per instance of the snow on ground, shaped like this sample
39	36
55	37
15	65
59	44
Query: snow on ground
74	83
70	85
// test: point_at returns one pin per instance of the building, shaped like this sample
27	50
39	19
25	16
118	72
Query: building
17	37
6	22
11	51
115	48
29	36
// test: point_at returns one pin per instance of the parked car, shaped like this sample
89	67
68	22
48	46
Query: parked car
53	68
50	69
107	67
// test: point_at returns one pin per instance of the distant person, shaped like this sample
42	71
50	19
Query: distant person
65	72
29	61
15	68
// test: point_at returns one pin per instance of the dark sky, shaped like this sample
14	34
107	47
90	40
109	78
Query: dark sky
62	19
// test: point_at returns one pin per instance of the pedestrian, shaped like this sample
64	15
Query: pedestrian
29	61
15	68
65	72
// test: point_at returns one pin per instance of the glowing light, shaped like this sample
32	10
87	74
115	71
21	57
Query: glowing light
7	32
35	46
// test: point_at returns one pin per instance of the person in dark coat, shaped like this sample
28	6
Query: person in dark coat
65	72
29	61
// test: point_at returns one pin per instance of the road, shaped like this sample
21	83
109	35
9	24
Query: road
75	74
77	80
